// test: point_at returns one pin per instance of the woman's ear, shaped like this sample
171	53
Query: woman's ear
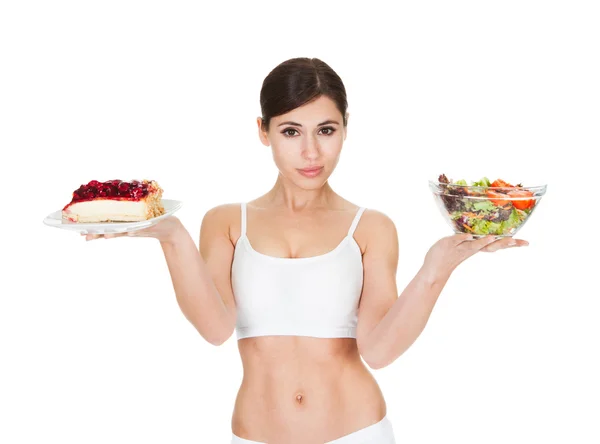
346	126
262	134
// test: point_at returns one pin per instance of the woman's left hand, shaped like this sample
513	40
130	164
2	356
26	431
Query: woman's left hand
449	252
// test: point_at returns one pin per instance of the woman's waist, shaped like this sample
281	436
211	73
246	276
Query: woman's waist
273	354
274	366
277	376
338	399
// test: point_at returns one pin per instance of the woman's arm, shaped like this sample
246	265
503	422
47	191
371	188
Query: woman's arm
389	324
201	279
402	321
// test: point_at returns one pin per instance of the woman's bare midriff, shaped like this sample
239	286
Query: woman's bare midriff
304	390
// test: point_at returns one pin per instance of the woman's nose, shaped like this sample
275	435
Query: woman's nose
311	148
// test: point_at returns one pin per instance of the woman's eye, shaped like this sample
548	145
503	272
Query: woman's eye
289	132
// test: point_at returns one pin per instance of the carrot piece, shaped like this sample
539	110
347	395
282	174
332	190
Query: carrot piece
475	215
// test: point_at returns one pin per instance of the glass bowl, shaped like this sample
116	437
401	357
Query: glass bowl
483	210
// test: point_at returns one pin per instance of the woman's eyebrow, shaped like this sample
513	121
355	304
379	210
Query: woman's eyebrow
327	122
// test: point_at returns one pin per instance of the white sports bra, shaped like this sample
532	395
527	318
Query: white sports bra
309	296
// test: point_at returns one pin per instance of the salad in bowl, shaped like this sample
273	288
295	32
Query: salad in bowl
483	207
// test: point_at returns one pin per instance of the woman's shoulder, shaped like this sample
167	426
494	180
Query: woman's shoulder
224	217
370	216
375	223
376	216
223	211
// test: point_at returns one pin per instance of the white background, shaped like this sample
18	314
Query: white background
93	347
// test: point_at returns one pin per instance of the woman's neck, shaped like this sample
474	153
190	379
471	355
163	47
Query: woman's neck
291	196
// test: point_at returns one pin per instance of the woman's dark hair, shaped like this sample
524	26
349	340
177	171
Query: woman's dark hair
296	82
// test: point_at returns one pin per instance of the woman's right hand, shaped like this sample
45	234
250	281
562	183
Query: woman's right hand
165	231
449	252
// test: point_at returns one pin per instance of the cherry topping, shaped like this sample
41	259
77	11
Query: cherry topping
103	190
90	193
111	189
137	193
79	191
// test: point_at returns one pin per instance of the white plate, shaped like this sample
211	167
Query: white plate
55	220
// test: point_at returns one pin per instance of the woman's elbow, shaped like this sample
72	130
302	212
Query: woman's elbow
220	336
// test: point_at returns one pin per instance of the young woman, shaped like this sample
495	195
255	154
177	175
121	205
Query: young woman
306	278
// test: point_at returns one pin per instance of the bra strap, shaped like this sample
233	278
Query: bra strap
243	218
359	213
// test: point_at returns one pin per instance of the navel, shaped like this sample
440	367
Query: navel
299	398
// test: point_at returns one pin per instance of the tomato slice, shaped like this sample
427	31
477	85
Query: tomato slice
501	184
522	204
497	198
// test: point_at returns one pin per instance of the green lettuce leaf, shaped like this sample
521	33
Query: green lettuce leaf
455	215
513	221
484	205
484	182
494	228
468	204
480	226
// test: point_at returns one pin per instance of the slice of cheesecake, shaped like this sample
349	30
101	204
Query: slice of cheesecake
115	201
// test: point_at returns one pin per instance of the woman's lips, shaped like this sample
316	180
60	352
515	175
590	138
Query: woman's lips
311	172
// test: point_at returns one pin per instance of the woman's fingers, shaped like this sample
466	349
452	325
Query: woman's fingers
489	242
89	237
507	242
93	236
462	237
492	243
485	242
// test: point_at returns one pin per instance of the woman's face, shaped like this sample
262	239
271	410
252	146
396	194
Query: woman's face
310	136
